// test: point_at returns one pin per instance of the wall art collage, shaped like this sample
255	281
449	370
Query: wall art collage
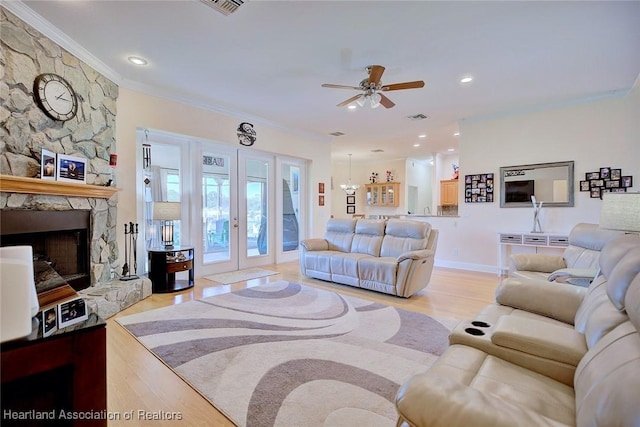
606	180
478	188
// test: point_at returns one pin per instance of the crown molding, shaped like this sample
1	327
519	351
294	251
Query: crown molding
27	14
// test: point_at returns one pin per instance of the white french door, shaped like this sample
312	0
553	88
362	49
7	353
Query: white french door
241	208
234	209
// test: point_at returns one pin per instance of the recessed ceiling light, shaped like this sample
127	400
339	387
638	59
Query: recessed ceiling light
456	134
424	135
137	60
466	79
451	149
416	145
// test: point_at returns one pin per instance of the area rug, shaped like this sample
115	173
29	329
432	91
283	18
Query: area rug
285	354
240	275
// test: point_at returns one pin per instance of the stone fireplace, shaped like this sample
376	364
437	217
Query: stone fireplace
60	242
84	219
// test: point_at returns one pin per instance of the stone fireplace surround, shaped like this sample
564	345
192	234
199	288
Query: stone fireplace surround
107	295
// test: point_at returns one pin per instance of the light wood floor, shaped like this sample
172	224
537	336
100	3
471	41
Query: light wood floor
137	381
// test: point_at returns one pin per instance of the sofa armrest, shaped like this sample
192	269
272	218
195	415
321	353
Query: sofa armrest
419	254
559	301
573	273
538	338
538	262
315	244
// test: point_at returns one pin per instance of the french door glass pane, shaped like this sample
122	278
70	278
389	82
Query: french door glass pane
290	206
215	207
257	207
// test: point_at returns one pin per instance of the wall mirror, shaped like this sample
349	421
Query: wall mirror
551	183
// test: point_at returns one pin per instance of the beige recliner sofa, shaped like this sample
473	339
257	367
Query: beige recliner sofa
577	265
391	256
544	354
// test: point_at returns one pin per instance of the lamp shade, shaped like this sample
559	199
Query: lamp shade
620	211
18	298
167	211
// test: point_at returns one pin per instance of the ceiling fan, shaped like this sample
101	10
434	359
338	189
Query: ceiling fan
372	89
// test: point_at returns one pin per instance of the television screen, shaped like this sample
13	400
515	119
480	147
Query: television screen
518	191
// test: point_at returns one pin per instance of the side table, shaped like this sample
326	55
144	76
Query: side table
59	380
164	263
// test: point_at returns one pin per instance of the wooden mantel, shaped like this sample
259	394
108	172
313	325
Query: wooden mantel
19	184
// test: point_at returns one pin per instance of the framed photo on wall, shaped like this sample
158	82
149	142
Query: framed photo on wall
626	181
584	185
351	209
351	200
71	169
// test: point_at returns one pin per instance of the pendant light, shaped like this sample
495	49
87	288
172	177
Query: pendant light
350	188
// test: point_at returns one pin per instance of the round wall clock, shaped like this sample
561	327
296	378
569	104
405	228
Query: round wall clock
55	96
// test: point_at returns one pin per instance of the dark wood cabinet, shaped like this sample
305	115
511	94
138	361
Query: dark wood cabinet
63	376
165	263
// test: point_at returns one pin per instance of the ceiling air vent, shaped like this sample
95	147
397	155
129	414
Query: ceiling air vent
226	7
336	133
417	117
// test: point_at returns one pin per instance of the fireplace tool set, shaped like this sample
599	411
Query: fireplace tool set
130	250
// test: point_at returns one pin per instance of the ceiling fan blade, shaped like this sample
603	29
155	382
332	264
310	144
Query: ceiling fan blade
348	101
375	74
406	85
386	102
340	86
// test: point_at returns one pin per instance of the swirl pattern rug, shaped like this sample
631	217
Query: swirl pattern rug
285	354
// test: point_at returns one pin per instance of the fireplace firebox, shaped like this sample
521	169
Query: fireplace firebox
61	242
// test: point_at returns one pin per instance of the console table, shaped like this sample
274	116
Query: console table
165	263
536	240
61	376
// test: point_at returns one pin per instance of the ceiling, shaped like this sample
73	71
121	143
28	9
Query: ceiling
269	59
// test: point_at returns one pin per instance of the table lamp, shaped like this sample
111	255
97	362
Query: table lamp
167	212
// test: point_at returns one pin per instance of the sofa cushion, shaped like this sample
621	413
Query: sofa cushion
585	243
376	272
607	384
344	268
622	275
368	237
404	236
339	234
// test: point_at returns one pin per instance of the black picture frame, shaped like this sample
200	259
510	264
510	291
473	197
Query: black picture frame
351	209
615	174
584	185
595	192
612	183
626	181
351	200
605	173
592	175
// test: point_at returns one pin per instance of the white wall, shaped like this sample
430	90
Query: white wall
139	110
598	134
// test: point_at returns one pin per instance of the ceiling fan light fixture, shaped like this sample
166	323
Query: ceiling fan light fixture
375	100
361	101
